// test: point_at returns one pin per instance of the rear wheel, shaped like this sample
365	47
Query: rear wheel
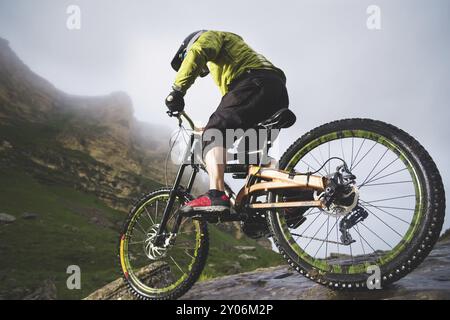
166	271
399	187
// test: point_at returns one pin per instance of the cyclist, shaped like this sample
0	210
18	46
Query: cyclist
252	90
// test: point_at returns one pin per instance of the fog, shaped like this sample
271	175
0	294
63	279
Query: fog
336	66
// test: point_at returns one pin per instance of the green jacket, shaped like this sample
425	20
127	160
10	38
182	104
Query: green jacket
225	54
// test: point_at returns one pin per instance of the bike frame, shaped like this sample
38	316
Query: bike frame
260	180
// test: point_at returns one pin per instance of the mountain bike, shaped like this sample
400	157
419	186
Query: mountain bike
345	197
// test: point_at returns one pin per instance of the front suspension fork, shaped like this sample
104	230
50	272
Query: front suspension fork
176	190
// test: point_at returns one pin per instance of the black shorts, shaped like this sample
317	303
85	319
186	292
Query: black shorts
253	97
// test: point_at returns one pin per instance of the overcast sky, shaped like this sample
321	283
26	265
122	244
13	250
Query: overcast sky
336	66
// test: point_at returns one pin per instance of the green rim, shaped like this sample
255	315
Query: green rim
321	265
131	272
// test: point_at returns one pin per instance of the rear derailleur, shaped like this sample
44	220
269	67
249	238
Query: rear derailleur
349	221
341	198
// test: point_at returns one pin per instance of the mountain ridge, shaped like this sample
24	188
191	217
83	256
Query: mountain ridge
101	128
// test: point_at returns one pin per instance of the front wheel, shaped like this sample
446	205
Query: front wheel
169	270
399	188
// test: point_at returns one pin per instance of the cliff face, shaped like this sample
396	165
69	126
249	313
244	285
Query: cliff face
91	143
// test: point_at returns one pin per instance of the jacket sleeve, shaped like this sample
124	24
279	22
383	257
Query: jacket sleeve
205	49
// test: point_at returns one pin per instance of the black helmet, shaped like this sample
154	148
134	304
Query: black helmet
183	50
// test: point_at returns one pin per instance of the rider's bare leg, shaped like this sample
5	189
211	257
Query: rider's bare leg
215	165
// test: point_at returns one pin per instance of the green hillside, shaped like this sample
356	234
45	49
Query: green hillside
74	228
70	168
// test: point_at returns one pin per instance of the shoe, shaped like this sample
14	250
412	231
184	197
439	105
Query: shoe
207	203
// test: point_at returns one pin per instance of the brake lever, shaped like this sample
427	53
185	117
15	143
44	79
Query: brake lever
177	115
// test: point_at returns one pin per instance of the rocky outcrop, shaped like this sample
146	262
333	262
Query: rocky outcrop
431	280
156	274
91	143
6	218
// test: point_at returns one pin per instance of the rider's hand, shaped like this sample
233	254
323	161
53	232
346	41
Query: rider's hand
175	101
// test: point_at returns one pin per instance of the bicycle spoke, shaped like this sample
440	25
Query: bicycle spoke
387	183
365	155
148	215
384	168
357	231
374	233
351	253
311	224
177	265
187	253
317	239
360	240
312	213
389	207
326	239
383	222
378	162
408	223
142	229
323	160
315	159
387	175
329	156
328	233
342	149
309	166
393	198
315	234
337	235
357	153
351	158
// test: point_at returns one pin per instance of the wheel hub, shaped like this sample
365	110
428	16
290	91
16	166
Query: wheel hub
151	251
341	194
344	205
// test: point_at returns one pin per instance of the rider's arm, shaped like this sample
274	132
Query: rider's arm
205	49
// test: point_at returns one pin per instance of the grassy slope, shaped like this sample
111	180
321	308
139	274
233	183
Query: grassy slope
35	250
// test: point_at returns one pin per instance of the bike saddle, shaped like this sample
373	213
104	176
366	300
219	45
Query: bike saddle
284	118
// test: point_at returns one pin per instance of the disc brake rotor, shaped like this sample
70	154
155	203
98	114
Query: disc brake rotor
151	251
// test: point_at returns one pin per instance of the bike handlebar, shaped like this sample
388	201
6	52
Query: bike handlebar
180	116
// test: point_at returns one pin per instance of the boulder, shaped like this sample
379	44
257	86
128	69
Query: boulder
155	274
6	218
29	215
247	257
245	248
